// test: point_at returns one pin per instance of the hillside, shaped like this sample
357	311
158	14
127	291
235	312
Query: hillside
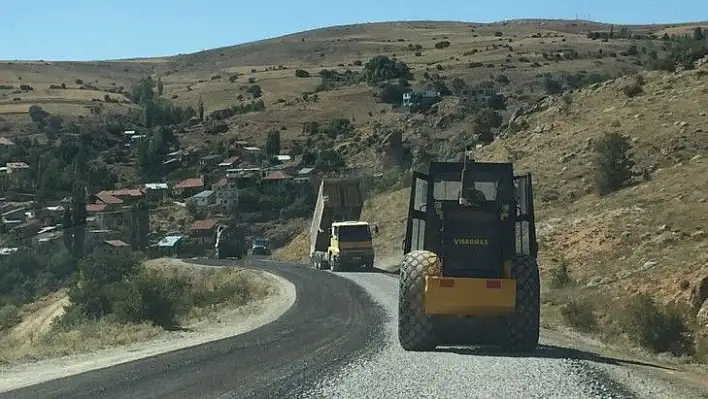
523	51
648	238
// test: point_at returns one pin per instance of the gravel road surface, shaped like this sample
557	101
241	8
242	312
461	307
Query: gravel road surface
554	372
339	340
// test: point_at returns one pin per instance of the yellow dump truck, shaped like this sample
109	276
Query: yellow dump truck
338	239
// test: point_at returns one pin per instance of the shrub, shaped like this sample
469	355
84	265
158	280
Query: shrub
579	314
9	316
667	64
381	68
255	90
613	163
233	78
301	73
443	44
655	328
560	275
635	88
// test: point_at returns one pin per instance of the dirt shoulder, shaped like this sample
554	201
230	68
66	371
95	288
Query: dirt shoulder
656	375
206	326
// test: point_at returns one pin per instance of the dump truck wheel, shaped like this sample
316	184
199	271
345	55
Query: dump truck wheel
522	328
416	330
335	264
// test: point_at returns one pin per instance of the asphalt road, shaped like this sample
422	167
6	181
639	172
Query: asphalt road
331	323
340	340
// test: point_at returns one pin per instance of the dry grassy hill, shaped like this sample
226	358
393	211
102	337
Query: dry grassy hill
648	238
221	76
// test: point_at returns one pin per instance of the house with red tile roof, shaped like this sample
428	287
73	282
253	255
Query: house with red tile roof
277	177
108	199
188	187
203	232
120	196
229	162
105	215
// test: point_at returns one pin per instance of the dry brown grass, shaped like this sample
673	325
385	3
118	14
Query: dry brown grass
221	289
187	77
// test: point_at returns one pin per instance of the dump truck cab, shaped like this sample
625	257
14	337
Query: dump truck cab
469	251
230	243
351	245
338	239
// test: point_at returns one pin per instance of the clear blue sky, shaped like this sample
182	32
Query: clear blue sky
109	29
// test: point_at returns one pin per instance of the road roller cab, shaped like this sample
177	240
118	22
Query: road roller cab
469	250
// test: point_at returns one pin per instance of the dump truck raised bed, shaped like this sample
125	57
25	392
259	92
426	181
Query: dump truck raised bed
338	239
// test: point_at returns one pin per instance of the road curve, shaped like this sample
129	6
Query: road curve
338	340
332	322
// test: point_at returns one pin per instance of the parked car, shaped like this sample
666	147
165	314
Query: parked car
261	246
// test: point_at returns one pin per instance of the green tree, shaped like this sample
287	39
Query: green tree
381	68
272	145
160	86
143	90
486	120
200	108
139	224
613	163
698	34
74	228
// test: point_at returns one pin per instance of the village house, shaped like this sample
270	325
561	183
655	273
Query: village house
478	96
50	215
48	239
171	165
14	216
203	199
126	196
307	176
276	177
17	171
97	237
210	161
115	244
156	191
227	188
23	233
228	163
188	187
105	216
170	245
203	232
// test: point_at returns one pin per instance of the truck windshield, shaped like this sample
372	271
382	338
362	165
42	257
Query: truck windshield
354	233
260	243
